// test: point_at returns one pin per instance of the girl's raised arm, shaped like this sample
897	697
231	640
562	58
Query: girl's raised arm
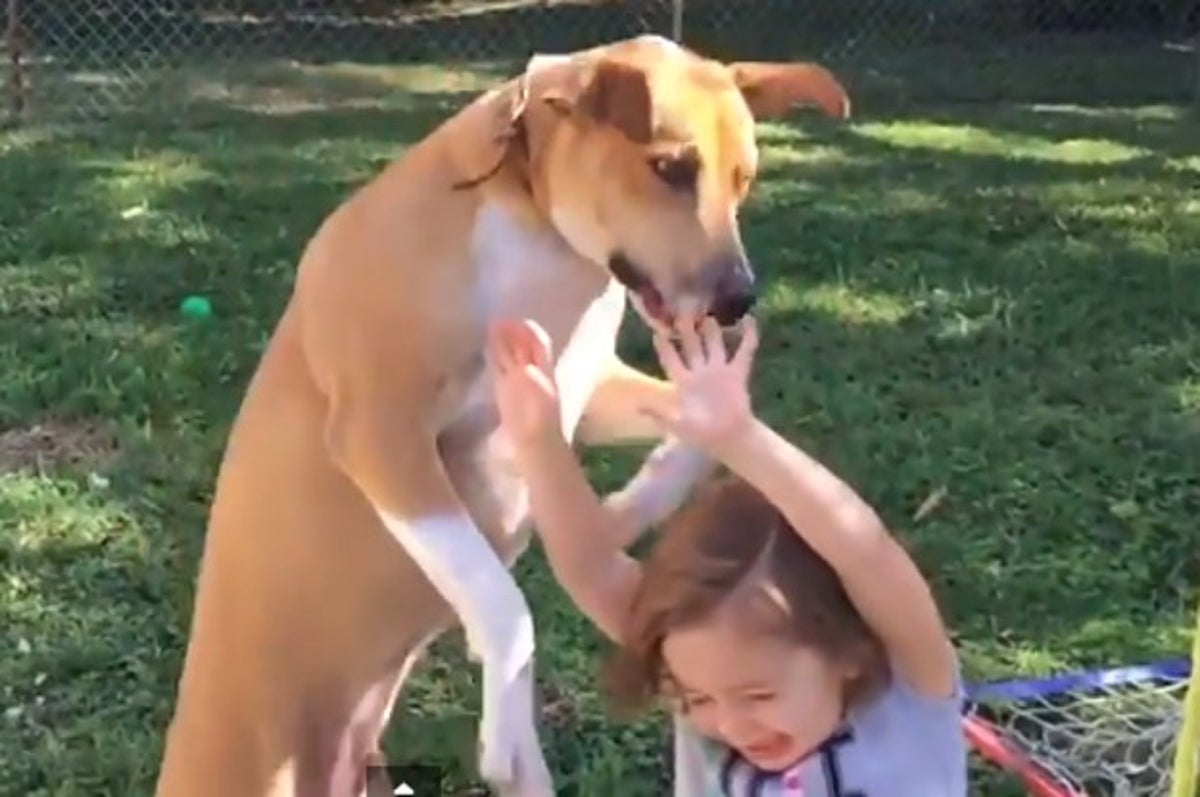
880	578
882	581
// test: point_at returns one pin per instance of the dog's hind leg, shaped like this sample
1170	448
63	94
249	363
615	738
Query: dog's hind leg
361	745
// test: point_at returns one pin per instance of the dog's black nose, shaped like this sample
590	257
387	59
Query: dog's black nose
734	295
730	309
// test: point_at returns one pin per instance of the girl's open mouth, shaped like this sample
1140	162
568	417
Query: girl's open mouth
769	749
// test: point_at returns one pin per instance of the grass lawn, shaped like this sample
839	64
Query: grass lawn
1001	302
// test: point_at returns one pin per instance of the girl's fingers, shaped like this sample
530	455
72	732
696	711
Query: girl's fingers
668	358
660	328
515	343
518	340
714	340
539	345
693	348
539	378
744	356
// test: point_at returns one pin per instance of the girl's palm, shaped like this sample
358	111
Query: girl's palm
712	388
526	395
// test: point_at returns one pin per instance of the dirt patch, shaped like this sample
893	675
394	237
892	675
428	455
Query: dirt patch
55	445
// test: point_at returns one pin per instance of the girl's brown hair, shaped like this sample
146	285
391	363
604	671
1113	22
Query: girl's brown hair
730	543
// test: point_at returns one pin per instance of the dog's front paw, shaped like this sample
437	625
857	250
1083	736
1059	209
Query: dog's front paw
661	485
510	755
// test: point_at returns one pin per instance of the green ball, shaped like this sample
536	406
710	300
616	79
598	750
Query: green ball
196	307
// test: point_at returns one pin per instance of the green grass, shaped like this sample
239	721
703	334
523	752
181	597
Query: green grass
1002	302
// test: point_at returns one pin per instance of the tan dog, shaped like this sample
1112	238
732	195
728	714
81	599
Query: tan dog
366	501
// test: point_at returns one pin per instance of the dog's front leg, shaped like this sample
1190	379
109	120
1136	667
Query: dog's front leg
615	416
660	486
396	465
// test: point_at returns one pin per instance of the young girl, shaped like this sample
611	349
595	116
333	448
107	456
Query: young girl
798	642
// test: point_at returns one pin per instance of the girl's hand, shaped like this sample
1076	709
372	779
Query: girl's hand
523	371
712	388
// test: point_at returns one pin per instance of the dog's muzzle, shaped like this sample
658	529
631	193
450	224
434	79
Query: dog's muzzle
734	294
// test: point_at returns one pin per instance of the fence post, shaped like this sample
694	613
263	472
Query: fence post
16	77
677	20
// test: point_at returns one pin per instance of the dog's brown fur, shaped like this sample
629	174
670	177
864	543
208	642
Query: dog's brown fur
371	397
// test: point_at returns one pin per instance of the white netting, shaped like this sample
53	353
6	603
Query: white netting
1116	739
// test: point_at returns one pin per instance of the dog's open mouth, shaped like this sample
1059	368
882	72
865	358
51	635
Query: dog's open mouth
646	296
654	306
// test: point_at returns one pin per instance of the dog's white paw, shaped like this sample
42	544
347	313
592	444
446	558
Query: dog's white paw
662	484
510	756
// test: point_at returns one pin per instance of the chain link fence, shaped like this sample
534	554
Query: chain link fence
93	59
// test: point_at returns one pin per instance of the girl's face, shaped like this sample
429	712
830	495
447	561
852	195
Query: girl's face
771	700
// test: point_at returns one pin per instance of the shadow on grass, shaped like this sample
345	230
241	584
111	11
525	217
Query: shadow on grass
201	94
90	612
1020	330
103	236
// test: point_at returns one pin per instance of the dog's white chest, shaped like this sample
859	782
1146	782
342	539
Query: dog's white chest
525	274
529	274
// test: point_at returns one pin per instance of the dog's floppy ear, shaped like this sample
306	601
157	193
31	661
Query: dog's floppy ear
773	89
609	92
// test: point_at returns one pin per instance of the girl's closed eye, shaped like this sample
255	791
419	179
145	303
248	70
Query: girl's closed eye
761	697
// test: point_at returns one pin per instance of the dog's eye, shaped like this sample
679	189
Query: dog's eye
677	171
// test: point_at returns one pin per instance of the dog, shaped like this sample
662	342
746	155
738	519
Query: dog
367	500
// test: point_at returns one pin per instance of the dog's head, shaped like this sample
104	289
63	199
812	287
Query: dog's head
641	153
